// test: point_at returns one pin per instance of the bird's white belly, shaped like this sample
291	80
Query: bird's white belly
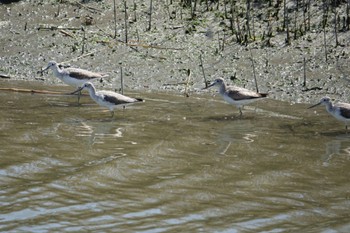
103	103
230	100
240	102
339	117
72	81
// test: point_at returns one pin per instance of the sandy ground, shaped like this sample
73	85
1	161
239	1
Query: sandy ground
168	56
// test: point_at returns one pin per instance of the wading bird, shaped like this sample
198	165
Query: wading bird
108	99
73	76
237	96
341	111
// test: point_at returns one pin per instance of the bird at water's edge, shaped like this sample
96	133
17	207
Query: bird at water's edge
73	76
340	111
108	99
237	96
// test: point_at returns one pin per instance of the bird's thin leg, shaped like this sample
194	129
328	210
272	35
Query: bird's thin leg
240	112
346	129
79	93
112	113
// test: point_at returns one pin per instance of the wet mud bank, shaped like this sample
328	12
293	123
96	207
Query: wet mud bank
172	47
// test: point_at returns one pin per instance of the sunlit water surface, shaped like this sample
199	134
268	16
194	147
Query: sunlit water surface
171	164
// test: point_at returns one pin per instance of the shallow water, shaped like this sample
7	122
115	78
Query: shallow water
170	164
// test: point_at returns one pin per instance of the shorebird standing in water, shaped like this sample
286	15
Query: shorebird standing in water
237	96
108	99
73	76
341	111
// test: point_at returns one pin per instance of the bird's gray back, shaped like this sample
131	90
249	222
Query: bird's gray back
239	93
344	109
83	74
116	98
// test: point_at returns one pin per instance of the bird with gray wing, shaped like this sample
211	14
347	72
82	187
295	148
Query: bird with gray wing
108	99
341	111
237	96
73	76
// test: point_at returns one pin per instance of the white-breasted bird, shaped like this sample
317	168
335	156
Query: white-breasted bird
237	96
108	99
73	76
341	111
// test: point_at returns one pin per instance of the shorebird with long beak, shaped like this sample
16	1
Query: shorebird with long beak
341	111
237	96
73	76
108	99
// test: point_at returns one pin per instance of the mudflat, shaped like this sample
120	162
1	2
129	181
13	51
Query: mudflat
296	52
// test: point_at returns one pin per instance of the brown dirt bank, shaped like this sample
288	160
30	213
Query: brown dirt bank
81	34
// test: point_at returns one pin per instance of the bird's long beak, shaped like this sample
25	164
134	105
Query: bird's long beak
314	105
208	86
42	70
76	91
45	68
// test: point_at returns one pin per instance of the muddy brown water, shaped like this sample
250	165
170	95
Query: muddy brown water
171	164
